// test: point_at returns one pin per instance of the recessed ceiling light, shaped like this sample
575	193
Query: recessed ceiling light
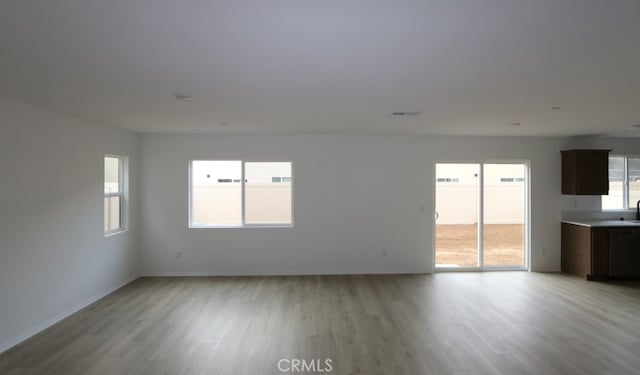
514	124
184	98
404	114
556	108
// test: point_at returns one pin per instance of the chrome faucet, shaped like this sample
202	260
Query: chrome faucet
638	210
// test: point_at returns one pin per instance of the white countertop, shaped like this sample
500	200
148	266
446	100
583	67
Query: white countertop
604	223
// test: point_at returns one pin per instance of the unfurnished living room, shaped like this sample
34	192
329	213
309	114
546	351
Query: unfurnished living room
319	187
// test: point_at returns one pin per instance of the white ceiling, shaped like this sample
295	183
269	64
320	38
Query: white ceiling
329	66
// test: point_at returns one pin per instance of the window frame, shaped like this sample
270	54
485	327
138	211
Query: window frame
625	185
243	224
122	192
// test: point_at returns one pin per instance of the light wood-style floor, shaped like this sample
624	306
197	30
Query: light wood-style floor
448	323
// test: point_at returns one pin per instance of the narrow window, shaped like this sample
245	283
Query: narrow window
633	181
114	193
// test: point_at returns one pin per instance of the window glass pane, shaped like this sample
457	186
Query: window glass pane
634	180
457	215
111	175
615	200
216	194
268	193
504	214
111	213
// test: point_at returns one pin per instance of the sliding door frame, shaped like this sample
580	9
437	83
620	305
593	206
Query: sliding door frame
480	245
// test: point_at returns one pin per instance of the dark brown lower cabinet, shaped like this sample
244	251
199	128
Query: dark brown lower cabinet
624	252
600	253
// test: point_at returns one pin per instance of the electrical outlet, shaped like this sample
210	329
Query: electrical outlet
179	254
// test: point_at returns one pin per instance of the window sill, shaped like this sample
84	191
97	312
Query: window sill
114	233
256	226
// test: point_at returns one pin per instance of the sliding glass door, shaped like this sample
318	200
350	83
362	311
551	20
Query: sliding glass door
503	225
481	213
457	193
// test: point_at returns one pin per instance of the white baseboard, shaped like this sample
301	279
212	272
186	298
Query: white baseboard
275	273
32	332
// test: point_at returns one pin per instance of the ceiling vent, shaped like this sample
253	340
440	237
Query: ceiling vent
404	114
184	98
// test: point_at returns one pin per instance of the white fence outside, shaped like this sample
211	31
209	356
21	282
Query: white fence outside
458	204
222	205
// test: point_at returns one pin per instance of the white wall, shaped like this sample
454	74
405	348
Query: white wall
54	257
356	198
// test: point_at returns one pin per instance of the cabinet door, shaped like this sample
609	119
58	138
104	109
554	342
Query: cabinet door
585	172
576	250
592	173
624	252
600	243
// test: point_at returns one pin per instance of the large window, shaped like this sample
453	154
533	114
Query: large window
233	193
114	193
624	183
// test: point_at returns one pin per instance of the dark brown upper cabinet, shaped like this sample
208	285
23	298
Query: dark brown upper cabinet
585	172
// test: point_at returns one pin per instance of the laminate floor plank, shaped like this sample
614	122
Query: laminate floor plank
447	323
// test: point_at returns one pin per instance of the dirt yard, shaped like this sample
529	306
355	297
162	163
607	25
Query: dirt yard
456	245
